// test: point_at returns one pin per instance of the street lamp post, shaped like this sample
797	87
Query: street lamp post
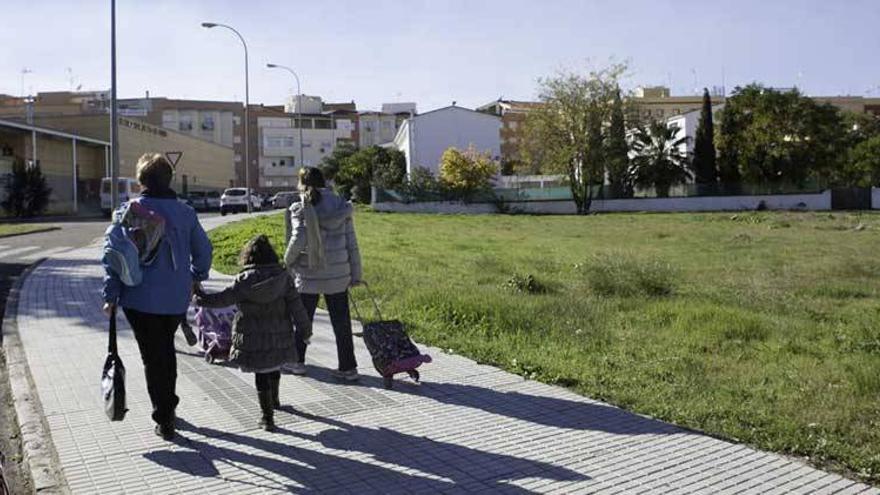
114	118
247	142
298	107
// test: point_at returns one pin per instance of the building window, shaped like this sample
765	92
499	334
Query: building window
236	139
169	120
307	144
323	124
186	123
207	122
237	158
278	142
236	120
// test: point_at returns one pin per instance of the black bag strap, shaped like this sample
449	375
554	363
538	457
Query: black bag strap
372	298
111	346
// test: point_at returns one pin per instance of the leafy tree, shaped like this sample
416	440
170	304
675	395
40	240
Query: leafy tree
660	161
728	150
861	168
27	193
466	172
778	137
617	162
332	163
355	172
703	164
390	171
564	133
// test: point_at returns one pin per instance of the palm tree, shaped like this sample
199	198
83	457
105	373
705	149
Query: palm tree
659	160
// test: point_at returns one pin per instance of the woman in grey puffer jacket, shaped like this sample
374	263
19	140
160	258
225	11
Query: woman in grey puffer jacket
322	253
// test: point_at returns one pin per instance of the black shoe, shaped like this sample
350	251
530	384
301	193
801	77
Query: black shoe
188	333
165	430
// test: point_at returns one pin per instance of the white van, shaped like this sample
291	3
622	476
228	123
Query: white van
128	188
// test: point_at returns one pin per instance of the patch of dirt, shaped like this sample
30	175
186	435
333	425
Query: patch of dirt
14	470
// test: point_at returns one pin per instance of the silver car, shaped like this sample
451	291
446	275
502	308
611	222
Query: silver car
284	199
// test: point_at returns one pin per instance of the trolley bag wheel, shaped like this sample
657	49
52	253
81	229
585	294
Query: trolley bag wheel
209	354
414	374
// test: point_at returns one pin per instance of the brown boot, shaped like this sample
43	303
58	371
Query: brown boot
267	420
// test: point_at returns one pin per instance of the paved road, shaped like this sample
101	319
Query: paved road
18	252
468	428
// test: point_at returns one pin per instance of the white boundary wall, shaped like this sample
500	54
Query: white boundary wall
806	202
811	202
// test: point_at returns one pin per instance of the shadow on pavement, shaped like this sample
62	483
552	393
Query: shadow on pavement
465	467
549	411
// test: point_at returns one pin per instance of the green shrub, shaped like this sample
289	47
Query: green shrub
525	284
27	193
618	274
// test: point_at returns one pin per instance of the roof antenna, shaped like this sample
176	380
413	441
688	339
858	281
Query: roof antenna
453	102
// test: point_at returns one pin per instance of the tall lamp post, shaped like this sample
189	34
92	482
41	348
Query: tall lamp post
298	107
247	142
114	118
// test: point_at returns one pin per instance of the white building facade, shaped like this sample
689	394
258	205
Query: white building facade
279	145
423	138
687	126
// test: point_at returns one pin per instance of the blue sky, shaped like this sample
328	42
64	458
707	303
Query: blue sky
434	52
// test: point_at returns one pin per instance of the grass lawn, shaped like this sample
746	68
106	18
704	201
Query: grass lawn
21	228
757	327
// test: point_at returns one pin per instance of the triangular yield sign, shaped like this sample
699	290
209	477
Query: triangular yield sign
173	157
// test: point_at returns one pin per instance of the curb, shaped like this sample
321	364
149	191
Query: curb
36	443
29	232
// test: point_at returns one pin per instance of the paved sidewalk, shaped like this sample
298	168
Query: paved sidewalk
468	428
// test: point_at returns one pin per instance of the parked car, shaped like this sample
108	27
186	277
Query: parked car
198	200
284	199
235	199
212	199
128	188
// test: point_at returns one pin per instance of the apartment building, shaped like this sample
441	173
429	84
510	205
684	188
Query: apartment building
513	114
378	128
279	150
219	122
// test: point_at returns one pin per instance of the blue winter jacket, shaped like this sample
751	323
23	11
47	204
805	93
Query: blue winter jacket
167	282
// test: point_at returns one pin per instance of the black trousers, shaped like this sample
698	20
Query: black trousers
340	318
155	338
263	381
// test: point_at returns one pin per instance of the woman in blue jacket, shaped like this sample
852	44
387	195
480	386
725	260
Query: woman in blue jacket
155	306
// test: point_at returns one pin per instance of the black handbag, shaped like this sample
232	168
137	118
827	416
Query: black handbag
113	378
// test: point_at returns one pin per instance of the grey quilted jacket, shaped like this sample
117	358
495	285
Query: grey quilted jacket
268	308
342	260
